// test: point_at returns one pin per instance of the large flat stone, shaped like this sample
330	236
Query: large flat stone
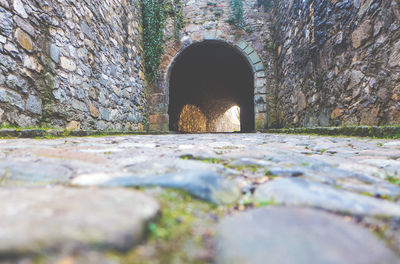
19	173
300	192
53	220
204	184
302	236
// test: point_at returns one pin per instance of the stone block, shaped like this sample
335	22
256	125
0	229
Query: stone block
260	99
248	50
254	58
24	25
11	97
261	121
68	64
93	110
242	44
4	4
260	74
55	53
6	22
361	34
209	35
394	59
24	40
159	122
337	113
259	67
73	125
34	104
19	8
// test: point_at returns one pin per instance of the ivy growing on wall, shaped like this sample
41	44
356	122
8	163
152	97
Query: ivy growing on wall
153	26
237	18
267	4
179	19
154	14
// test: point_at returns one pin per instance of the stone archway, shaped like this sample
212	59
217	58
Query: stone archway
213	76
251	99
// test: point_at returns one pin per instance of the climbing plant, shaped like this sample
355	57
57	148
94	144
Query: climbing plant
237	18
153	26
179	19
154	14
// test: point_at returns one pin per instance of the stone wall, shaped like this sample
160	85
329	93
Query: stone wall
339	62
74	63
209	20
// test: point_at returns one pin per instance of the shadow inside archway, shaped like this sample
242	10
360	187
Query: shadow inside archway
212	76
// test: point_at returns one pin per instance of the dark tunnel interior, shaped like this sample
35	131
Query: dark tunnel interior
213	76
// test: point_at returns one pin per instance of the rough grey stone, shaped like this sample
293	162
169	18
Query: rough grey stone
242	44
11	97
18	173
55	53
292	235
26	26
40	220
34	104
17	83
206	185
19	8
6	23
254	58
300	192
86	29
104	113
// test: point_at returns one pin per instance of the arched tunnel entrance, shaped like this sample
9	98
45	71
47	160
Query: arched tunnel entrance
209	82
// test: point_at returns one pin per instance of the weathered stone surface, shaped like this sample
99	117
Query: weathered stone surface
299	192
67	64
18	173
24	40
337	174
293	235
394	59
19	8
6	23
55	53
45	45
355	79
337	113
26	26
361	34
93	110
73	125
301	101
344	67
56	220
32	63
206	185
4	3
34	104
11	97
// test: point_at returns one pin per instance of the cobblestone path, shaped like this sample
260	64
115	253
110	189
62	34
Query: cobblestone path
209	198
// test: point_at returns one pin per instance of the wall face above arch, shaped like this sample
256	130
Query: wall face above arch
71	63
205	21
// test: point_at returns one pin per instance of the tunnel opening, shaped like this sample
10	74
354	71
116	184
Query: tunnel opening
209	82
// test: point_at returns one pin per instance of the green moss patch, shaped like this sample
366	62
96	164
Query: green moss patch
183	233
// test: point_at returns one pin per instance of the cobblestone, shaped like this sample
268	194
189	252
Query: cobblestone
347	178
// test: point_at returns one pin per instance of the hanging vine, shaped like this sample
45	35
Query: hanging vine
154	14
